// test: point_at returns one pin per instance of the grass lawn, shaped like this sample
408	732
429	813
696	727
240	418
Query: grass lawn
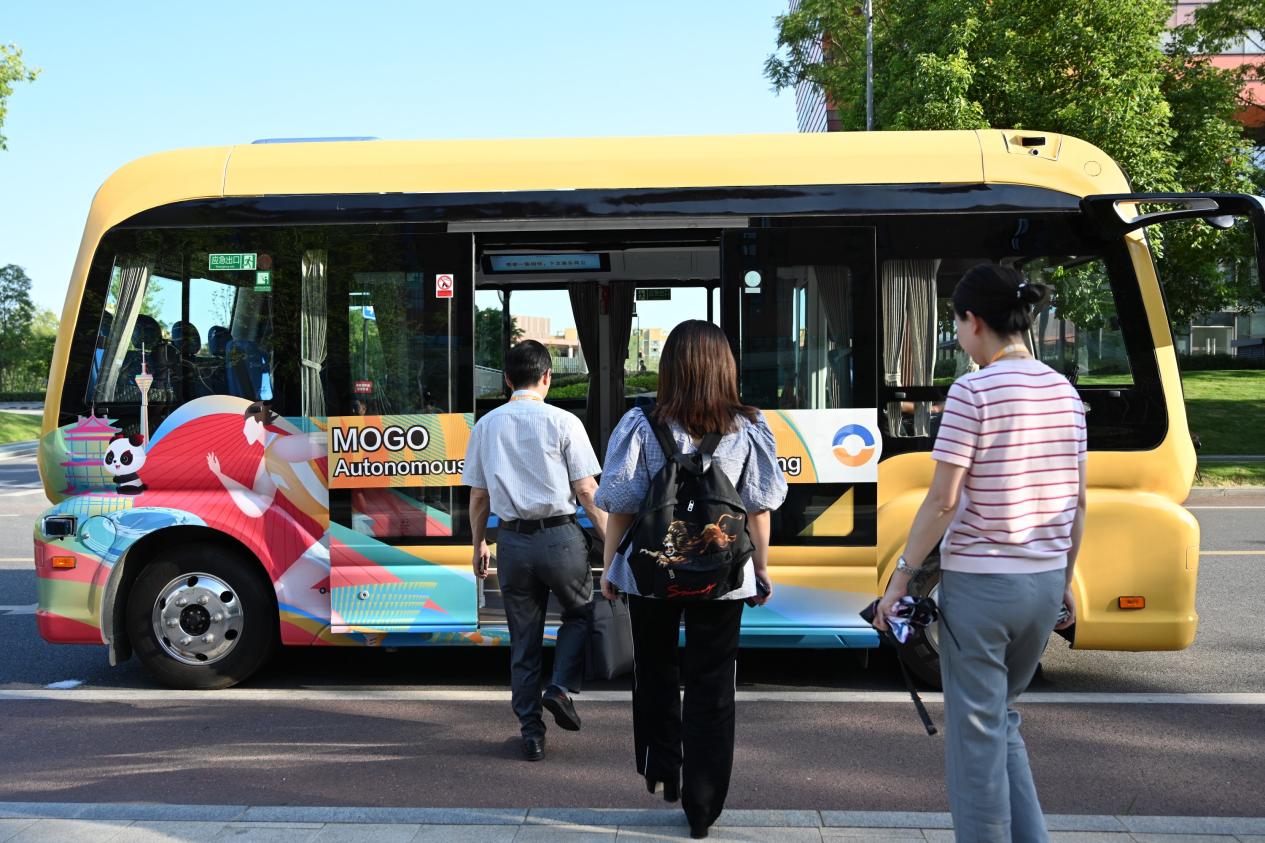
1226	410
17	427
1231	474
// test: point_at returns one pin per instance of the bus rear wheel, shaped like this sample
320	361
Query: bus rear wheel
201	618
921	653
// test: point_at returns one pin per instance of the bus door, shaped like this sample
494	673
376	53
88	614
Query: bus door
800	310
401	339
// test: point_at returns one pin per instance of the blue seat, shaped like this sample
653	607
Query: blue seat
247	369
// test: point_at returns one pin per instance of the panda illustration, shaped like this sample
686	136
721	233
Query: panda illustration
124	458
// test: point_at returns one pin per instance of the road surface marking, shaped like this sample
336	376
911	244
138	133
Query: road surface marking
1232	552
16	559
64	685
1225	507
38	491
290	695
19	610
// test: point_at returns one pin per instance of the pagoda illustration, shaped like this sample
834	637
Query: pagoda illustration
85	446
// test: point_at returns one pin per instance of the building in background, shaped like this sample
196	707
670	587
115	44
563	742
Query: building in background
564	346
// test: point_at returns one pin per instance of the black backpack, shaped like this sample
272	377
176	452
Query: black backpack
690	540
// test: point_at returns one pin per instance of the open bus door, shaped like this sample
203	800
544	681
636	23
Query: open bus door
404	406
1116	214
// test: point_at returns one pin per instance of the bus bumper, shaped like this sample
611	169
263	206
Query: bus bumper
1136	545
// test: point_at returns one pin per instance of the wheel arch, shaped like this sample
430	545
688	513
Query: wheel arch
140	555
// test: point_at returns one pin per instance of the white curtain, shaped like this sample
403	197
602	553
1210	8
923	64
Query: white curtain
834	288
314	319
132	277
909	335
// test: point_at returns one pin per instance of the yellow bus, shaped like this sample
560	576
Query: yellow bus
271	356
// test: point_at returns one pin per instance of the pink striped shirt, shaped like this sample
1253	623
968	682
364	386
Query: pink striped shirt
1018	428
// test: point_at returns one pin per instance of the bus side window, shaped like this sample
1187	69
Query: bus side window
912	340
1078	331
205	333
797	339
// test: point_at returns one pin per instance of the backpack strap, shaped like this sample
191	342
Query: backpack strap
708	444
667	443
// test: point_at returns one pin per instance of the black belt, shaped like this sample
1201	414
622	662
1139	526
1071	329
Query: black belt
531	525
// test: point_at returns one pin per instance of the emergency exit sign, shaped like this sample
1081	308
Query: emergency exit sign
231	261
655	294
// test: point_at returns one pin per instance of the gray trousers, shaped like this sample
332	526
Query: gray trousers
529	566
1002	623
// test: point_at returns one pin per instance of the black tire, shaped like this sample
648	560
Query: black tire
920	653
240	588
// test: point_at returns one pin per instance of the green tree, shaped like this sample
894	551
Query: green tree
489	349
16	314
1086	68
39	351
12	71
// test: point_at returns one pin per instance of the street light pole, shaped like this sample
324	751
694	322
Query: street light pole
869	64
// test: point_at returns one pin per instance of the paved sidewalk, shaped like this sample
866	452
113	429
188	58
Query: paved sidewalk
150	823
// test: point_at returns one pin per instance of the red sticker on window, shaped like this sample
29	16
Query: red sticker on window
443	286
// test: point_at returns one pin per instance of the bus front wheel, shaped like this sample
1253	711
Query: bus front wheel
921	653
201	618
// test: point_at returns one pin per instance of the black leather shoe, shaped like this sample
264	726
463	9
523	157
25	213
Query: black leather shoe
533	748
560	706
700	831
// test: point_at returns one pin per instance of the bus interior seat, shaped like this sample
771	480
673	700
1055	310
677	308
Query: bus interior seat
247	371
215	369
186	338
196	372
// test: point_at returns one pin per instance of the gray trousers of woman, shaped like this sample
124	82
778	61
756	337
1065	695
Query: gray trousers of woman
1002	623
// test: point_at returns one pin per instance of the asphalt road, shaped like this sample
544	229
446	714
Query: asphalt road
1112	757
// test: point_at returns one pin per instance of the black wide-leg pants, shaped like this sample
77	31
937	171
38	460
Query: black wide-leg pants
692	742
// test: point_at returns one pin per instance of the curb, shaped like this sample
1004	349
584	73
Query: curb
607	817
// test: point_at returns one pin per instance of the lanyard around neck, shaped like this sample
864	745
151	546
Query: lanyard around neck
1010	349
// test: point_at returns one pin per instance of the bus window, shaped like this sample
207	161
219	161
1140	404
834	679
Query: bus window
490	343
1078	332
797	337
405	352
907	291
185	349
1083	331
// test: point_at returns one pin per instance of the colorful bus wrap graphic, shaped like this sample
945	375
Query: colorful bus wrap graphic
398	450
827	446
228	465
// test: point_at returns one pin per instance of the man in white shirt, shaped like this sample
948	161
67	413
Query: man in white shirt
531	463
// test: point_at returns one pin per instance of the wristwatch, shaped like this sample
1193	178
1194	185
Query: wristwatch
902	565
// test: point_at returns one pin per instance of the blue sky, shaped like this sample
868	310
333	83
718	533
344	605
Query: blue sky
124	79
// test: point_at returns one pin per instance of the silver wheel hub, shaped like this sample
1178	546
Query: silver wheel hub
933	630
197	618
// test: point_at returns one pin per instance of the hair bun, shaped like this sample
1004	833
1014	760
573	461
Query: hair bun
1032	293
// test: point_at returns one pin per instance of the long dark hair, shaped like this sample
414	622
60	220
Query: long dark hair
999	295
698	381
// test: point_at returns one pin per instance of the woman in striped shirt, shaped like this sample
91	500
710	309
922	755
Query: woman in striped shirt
1007	507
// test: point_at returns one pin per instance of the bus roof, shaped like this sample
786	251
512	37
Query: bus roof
1060	163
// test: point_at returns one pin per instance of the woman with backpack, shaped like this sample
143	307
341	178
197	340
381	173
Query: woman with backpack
688	539
1008	498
